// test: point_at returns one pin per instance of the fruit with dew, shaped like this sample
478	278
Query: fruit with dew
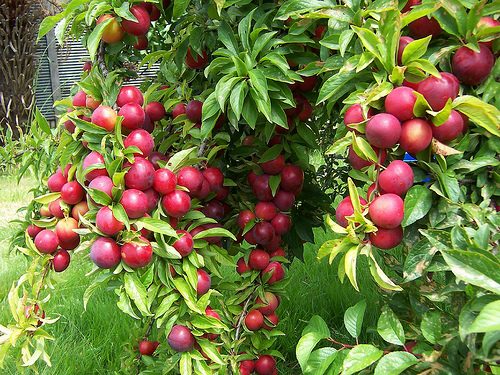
137	254
387	211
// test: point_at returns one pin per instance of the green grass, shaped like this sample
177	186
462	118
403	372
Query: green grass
97	340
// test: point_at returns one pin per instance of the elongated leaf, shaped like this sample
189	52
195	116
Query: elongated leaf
157	226
483	114
137	292
395	363
488	319
353	318
360	357
418	202
390	328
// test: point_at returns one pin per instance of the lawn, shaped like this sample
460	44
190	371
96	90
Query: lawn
97	340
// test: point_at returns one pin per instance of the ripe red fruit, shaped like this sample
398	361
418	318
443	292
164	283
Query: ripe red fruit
139	27
105	253
153	199
133	116
359	163
397	178
113	32
387	211
450	129
279	252
184	245
275	269
292	178
137	254
246	367
179	109
258	259
284	200
80	98
106	222
196	62
104	117
400	103
281	223
265	365
68	239
55	208
155	157
265	210
129	94
46	241
254	320
424	26
79	209
104	184
249	237
344	209
44	211
141	43
306	111
164	181
273	319
140	175
214	177
61	260
134	202
176	203
181	339
91	103
437	91
56	181
416	135
141	139
261	188
204	282
471	67
193	110
242	267
387	238
383	130
487	22
147	347
354	115
403	42
191	178
33	230
308	84
91	160
274	166
263	233
72	192
214	209
269	304
155	111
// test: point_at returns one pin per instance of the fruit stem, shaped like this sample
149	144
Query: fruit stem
44	275
378	171
201	150
100	60
150	327
344	346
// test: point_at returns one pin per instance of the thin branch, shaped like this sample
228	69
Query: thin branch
100	60
202	148
344	346
44	275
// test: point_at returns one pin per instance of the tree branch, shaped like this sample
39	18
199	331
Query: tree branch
100	60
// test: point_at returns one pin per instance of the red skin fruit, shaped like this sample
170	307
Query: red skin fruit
129	94
437	91
181	339
153	199
387	238
252	176
204	282
274	166
197	62
222	193
141	43
320	31
79	209
471	67
424	26
184	245
308	84
284	200
254	320
273	244
141	139
33	230
269	304
344	209
140	175
215	178
242	267
359	163
416	135
45	212
397	178
191	178
164	181
281	224
104	117
134	202
87	65
204	191
155	157
143	23
56	181
266	210
265	365
147	347
68	239
273	319
354	115
400	103
91	103
91	159
306	111
246	367
46	241
107	223
55	208
258	259
263	233
133	116
383	130
450	129
72	192
154	14
279	252
403	42
214	210
276	270
487	22
80	99
61	260
104	184
137	255
261	188
155	111
193	110
410	4
292	178
179	109
387	211
176	203
113	33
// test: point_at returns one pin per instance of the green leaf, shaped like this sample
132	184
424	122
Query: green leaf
271	153
95	38
418	260
237	98
360	357
180	7
315	331
157	226
223	89
42	122
418	202
339	146
47	198
137	292
482	114
488	319
431	326
214	232
390	328
395	363
369	40
353	318
439	118
100	280
333	85
415	50
211	351
100	197
259	83
227	38
380	277
350	260
185	364
320	360
180	159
